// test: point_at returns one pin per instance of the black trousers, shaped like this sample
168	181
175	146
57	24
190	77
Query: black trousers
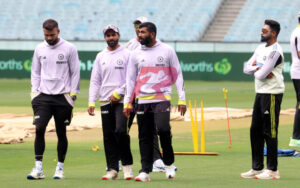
264	128
44	107
153	116
296	130
115	136
156	150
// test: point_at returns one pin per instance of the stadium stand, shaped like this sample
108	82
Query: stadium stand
249	22
82	20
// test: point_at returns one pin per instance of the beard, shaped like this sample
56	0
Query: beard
265	39
52	42
112	43
145	41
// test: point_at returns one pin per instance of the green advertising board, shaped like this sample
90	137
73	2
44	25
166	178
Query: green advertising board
195	66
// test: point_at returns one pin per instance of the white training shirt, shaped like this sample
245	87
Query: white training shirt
295	48
270	59
109	75
55	69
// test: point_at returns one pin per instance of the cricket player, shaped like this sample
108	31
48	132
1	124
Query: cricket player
295	76
153	108
266	66
108	79
55	75
158	164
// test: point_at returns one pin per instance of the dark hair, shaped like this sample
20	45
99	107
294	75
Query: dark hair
50	24
150	27
299	19
274	25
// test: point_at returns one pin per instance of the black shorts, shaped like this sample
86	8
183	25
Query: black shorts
45	106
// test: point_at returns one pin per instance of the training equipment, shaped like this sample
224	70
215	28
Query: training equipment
95	148
194	124
170	171
59	173
111	175
143	176
251	173
268	174
36	174
225	99
128	174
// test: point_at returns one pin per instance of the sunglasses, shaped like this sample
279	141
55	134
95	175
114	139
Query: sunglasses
264	31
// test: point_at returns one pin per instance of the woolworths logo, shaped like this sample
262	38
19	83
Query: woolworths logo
222	67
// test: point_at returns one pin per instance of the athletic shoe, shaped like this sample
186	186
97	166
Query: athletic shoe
170	171
59	173
36	174
111	175
158	166
143	176
268	174
294	142
128	175
251	173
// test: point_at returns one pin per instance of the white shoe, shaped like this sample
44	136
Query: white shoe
36	174
143	176
268	174
170	171
111	175
158	166
251	173
59	173
128	175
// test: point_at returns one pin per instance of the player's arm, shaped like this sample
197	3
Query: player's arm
131	76
74	73
35	74
250	66
95	84
177	77
265	71
297	42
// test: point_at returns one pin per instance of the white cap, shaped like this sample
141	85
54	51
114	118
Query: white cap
110	27
141	19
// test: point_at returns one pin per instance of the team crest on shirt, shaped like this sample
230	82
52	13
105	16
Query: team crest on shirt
60	56
160	63
61	59
120	62
160	59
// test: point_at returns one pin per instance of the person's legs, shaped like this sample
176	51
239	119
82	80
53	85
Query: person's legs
110	143
271	129
256	135
296	130
146	128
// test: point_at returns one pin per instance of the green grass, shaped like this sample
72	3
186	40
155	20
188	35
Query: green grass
84	168
15	93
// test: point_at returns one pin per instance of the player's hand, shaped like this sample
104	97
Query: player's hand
91	110
126	112
182	109
113	99
270	75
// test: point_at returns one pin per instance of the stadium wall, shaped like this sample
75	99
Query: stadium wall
199	61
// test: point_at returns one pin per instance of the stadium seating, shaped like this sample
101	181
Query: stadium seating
247	26
176	20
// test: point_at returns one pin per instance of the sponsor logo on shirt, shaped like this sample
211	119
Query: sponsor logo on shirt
105	112
140	113
160	59
60	56
119	67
